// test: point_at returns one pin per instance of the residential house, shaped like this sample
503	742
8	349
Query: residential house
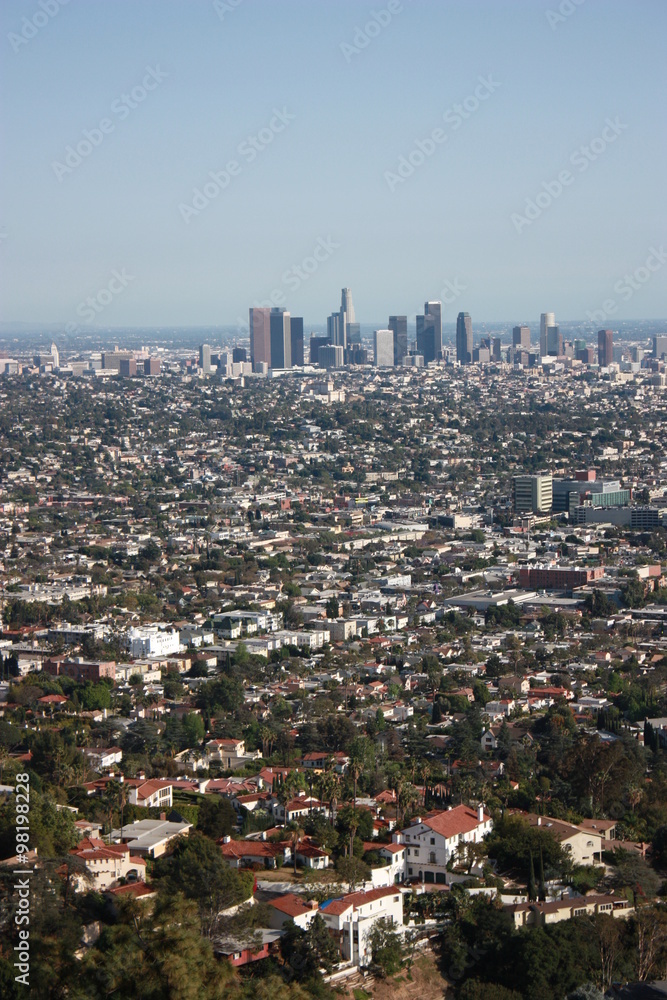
433	841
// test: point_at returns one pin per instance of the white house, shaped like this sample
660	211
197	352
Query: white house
151	640
351	919
431	842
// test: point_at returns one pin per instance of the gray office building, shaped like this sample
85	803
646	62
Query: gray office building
281	343
296	340
464	338
429	332
521	338
399	327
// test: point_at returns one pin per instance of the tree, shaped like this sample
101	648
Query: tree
198	871
386	947
353	871
216	817
306	952
295	836
360	753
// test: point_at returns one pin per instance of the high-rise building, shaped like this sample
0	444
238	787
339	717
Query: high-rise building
660	345
281	341
605	347
464	338
55	355
429	332
399	327
331	356
383	348
337	329
205	357
546	320
346	305
128	367
152	366
521	338
554	342
315	344
260	336
496	349
239	355
353	333
296	340
533	494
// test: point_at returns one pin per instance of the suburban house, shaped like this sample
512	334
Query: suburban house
152	794
583	844
150	837
100	759
432	842
231	753
350	919
107	864
291	907
539	914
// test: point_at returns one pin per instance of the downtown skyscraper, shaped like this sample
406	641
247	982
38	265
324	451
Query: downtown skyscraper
429	332
605	348
464	338
399	327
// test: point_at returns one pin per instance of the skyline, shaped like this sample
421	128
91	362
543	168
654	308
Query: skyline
212	182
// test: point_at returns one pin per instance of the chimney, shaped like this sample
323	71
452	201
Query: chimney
226	839
480	813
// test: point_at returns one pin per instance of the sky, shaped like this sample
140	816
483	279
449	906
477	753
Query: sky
172	162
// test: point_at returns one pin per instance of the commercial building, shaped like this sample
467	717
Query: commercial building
281	339
605	347
260	337
330	355
521	338
383	348
558	577
533	494
429	332
150	640
464	338
399	326
296	341
586	490
660	346
205	358
547	320
79	669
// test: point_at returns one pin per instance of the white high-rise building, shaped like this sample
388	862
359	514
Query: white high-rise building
55	355
546	320
383	348
346	305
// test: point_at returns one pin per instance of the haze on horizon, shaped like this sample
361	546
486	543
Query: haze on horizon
179	162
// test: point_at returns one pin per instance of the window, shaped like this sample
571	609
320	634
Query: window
417	853
433	840
580	913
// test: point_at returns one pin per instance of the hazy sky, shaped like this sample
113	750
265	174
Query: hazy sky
311	104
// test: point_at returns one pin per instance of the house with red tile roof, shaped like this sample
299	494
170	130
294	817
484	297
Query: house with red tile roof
433	841
106	864
350	919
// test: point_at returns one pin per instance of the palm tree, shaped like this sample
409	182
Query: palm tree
296	833
329	787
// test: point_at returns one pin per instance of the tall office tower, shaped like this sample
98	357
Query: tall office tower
296	340
554	342
331	356
55	355
533	494
546	320
521	337
337	329
659	345
579	345
346	305
205	358
496	354
434	309
464	339
353	333
383	348
239	355
281	341
605	347
260	336
399	327
315	344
